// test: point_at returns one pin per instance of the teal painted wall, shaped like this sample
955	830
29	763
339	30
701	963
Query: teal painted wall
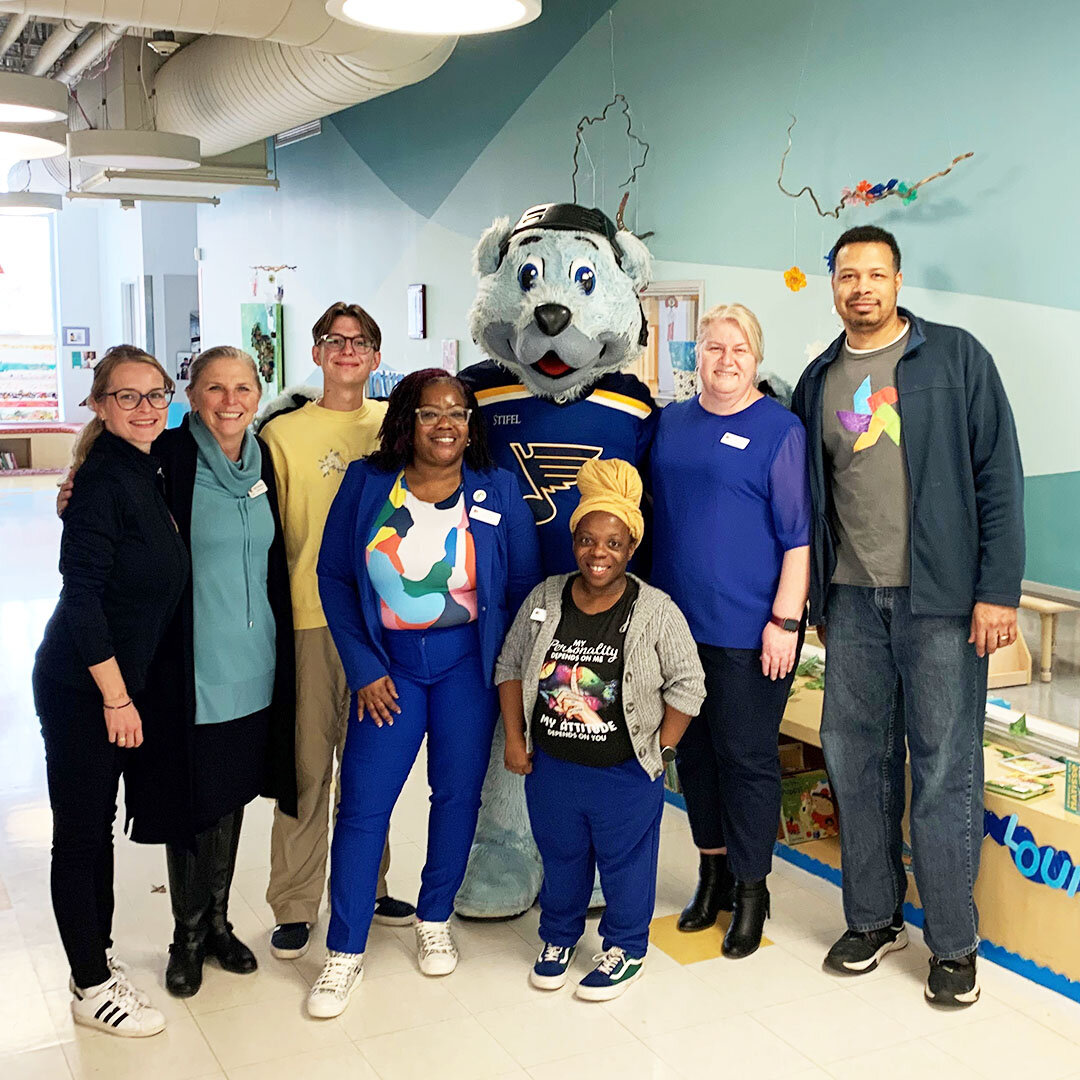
398	189
1053	554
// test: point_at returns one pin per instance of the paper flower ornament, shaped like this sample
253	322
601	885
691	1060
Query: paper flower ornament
794	279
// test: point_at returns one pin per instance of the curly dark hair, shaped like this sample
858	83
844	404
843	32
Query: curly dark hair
398	431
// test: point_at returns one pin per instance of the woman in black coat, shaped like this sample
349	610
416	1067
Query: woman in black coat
221	724
124	569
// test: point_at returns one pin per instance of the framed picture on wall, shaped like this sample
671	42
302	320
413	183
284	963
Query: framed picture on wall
262	335
183	365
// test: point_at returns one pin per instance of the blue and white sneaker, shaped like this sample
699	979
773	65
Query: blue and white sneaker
613	973
552	967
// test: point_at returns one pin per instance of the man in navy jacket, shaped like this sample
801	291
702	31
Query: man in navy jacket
916	562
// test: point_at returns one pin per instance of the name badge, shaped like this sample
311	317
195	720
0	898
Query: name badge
740	442
482	513
257	489
539	614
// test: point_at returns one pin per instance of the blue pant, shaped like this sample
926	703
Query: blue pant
583	818
890	674
728	763
442	692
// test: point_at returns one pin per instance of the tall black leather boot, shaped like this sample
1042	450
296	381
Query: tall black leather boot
715	893
748	920
189	886
221	943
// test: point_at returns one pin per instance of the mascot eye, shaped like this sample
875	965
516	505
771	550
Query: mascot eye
582	273
530	273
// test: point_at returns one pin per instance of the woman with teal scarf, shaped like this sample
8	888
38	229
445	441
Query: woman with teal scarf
221	726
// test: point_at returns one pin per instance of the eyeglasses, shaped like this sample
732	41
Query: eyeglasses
132	399
337	343
428	417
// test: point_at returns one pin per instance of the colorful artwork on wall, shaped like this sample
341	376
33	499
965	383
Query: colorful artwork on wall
262	335
28	378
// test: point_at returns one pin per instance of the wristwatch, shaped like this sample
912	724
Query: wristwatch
790	625
667	754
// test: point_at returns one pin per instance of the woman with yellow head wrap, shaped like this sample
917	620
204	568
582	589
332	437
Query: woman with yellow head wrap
598	679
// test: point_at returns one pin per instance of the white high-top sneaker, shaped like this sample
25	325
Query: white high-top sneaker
114	1009
117	969
435	948
340	976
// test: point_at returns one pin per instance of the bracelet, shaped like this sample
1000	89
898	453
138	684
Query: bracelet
124	706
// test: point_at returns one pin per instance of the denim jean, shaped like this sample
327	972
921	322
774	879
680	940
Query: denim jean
892	679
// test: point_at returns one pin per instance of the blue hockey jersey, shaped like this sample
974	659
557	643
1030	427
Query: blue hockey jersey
544	444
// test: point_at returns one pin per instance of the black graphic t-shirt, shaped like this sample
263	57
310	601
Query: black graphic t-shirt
578	715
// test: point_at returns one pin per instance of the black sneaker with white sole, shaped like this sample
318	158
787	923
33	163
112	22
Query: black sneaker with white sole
290	940
391	912
953	982
860	951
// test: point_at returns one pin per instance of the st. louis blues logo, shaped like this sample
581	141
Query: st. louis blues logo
550	467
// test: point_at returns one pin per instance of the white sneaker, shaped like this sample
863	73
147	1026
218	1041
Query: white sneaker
118	970
435	948
114	1008
341	975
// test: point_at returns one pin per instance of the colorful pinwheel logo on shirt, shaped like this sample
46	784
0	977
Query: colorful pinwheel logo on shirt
872	415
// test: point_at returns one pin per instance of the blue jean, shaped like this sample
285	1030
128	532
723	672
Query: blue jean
442	692
583	818
890	677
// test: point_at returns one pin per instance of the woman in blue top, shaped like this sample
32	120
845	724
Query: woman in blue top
427	553
731	548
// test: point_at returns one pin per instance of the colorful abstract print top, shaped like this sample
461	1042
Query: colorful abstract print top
422	562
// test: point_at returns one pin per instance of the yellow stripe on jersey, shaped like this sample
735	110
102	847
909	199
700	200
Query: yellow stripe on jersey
496	394
621	402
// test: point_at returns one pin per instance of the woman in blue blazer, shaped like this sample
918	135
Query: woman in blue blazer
427	553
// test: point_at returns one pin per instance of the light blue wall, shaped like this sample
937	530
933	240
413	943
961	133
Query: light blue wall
397	190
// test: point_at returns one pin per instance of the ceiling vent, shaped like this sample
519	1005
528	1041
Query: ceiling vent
297	134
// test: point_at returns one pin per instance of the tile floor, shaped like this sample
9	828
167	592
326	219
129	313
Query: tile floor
775	1014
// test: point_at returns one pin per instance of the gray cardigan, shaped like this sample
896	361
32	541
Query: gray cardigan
660	667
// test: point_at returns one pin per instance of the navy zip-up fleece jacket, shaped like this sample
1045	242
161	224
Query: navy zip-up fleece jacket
963	463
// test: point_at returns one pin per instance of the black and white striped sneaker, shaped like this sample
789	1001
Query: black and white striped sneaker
114	1008
118	969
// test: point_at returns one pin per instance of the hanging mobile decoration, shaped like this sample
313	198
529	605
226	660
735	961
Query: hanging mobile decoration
794	279
863	192
272	272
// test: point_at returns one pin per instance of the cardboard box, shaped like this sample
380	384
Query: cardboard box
807	808
791	757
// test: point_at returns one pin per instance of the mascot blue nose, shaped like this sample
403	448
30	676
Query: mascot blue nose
552	318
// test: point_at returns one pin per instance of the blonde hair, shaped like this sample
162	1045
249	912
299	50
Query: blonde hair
220	352
113	358
743	318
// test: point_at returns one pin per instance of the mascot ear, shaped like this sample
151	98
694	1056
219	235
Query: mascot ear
636	259
489	252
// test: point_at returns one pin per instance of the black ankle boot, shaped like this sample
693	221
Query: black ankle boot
714	894
751	910
221	943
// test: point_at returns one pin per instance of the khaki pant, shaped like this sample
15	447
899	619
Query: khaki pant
299	846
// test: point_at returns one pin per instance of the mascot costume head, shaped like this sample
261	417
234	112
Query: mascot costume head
557	312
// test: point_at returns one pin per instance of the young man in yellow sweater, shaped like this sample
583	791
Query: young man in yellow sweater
311	445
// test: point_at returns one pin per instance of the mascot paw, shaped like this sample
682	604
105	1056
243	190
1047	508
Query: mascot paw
502	881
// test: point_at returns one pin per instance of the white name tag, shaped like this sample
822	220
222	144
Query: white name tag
738	441
539	614
257	489
482	513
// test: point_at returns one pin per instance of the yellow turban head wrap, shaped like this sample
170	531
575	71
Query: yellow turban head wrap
611	486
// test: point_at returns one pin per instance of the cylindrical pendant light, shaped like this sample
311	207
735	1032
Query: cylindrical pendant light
436	16
32	141
121	149
28	203
28	99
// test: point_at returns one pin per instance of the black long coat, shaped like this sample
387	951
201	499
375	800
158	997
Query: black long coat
159	777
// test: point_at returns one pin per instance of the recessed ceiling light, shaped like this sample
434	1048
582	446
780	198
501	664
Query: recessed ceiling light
121	149
436	16
28	203
28	99
20	142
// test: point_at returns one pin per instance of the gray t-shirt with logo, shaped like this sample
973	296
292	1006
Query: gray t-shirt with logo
864	458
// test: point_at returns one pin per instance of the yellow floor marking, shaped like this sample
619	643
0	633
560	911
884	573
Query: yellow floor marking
690	948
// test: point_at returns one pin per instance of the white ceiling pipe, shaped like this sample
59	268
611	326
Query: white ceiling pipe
54	46
228	92
304	23
89	52
15	26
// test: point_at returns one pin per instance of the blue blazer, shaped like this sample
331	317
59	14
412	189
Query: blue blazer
507	565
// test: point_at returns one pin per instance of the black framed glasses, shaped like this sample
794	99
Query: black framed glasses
337	343
132	399
429	416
